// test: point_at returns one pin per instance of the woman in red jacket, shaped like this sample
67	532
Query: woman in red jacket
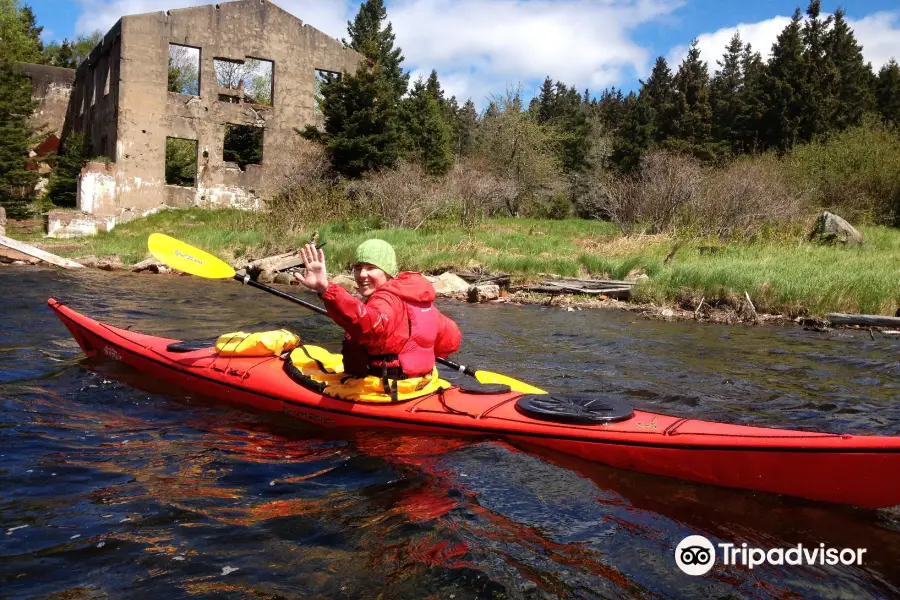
395	332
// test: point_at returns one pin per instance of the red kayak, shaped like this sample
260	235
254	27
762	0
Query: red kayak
858	470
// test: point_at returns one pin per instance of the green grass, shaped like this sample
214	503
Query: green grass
782	275
792	278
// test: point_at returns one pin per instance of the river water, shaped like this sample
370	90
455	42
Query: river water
114	486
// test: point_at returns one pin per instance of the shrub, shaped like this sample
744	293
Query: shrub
479	192
743	199
650	201
855	173
401	197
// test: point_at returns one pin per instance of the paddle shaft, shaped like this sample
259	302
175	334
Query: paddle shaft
261	286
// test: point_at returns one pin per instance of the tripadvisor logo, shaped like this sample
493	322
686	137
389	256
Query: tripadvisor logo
696	555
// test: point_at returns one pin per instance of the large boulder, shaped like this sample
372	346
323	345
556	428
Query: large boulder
484	292
282	278
345	281
449	284
831	228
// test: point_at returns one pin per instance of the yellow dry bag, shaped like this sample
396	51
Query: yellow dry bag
264	343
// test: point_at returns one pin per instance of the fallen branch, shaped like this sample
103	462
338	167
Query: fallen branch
869	320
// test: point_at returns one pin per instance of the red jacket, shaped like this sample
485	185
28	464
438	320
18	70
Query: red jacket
381	325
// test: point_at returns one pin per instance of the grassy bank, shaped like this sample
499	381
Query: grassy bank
784	275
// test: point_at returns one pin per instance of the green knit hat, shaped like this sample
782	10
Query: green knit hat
378	253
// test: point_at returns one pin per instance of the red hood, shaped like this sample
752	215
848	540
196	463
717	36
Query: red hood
410	286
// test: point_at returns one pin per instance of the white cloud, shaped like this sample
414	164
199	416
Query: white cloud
481	47
879	35
760	36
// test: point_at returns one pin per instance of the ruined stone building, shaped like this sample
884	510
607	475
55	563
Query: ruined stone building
242	76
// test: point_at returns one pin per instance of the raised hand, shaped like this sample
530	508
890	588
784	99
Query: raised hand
316	277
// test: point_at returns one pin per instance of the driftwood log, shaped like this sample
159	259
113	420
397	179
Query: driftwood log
277	263
618	293
39	254
594	287
865	320
501	279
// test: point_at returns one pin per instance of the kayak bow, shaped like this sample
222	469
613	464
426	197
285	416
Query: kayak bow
846	469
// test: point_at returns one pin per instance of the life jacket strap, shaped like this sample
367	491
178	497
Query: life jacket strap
386	366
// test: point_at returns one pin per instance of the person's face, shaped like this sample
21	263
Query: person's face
368	278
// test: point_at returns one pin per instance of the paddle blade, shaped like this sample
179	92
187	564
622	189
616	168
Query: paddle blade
514	384
186	258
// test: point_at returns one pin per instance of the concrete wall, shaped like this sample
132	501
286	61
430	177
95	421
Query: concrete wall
52	88
148	113
93	109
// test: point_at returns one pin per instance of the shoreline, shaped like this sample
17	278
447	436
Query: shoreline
771	281
718	315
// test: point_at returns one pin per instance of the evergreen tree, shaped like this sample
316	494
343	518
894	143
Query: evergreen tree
19	41
543	104
692	114
243	145
428	135
434	88
574	130
784	88
62	189
60	55
816	96
16	137
851	76
376	42
753	99
658	94
634	136
491	111
70	54
887	92
562	108
32	30
361	132
362	129
448	107
727	98
611	108
465	130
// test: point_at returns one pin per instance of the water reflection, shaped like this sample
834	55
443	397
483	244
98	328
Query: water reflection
118	486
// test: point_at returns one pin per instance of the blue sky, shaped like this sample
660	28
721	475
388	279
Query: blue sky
482	47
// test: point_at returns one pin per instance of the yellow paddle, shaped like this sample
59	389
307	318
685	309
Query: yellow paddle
184	257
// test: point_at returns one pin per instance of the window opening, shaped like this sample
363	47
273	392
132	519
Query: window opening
184	70
181	162
243	145
322	77
249	80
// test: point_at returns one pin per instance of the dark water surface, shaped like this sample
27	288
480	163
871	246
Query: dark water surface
113	486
